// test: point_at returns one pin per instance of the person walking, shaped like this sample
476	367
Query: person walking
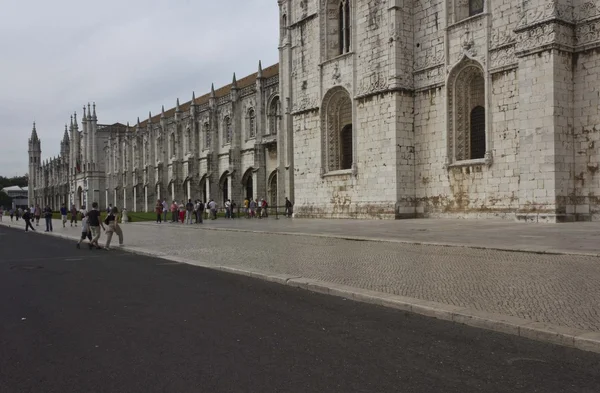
85	232
112	220
19	213
11	213
48	217
27	219
288	207
95	224
159	211
212	205
189	211
73	215
63	214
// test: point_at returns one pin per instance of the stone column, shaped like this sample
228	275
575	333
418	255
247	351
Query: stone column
546	155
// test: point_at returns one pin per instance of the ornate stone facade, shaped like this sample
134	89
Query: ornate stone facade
391	109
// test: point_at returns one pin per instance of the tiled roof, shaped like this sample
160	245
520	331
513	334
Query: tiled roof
223	91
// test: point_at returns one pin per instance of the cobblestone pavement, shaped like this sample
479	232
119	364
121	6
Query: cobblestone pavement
558	289
582	237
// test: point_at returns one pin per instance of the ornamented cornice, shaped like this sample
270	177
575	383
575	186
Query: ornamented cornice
545	12
501	38
305	104
502	57
544	36
429	58
587	33
373	84
587	10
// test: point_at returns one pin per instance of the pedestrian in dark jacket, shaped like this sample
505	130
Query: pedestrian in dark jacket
27	218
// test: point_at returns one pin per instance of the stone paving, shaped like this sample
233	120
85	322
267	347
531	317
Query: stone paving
562	290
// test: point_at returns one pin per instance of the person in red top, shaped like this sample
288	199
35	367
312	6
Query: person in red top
159	211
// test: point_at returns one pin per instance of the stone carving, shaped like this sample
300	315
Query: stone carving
375	83
337	75
586	33
536	37
429	58
430	77
544	12
304	103
503	56
586	11
501	38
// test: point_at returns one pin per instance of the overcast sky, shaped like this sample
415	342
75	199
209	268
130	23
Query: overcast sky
130	57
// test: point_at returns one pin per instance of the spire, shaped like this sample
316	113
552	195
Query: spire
94	114
83	119
75	119
66	136
162	113
149	117
177	106
138	123
234	82
34	136
72	120
193	98
260	73
212	90
89	116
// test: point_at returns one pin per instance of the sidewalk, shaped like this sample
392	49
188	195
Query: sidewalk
542	296
568	238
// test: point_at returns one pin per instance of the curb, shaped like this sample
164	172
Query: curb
399	241
538	331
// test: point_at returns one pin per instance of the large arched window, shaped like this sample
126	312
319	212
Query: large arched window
338	27
466	112
227	132
274	116
172	145
207	137
337	132
251	123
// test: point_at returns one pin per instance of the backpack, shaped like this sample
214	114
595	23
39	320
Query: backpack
106	219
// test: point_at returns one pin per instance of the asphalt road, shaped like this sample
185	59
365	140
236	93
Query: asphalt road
107	321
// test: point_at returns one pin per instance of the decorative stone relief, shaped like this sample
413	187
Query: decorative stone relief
429	58
503	57
430	77
586	33
305	103
544	34
376	82
586	11
544	12
501	38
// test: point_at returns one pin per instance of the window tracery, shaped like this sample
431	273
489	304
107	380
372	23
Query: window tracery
274	116
338	27
251	123
337	131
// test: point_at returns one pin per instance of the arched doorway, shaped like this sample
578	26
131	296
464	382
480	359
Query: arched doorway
248	184
203	193
224	186
272	192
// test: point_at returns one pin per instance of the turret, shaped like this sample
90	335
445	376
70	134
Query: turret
212	100
259	75
234	89
193	105
35	153
177	111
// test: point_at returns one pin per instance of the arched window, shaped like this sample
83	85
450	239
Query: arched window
338	28
466	112
227	132
172	144
274	116
475	7
207	137
251	123
337	130
188	137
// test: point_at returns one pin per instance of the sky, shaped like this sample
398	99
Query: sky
129	57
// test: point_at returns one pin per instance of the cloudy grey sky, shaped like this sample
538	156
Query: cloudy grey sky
130	57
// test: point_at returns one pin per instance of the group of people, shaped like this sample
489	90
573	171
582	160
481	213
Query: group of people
91	221
194	211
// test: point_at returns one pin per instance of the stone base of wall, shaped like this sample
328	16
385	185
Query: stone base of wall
364	211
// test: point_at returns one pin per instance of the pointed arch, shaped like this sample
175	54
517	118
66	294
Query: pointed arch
466	129
337	133
248	183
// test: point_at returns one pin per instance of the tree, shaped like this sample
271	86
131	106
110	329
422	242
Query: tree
5	200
